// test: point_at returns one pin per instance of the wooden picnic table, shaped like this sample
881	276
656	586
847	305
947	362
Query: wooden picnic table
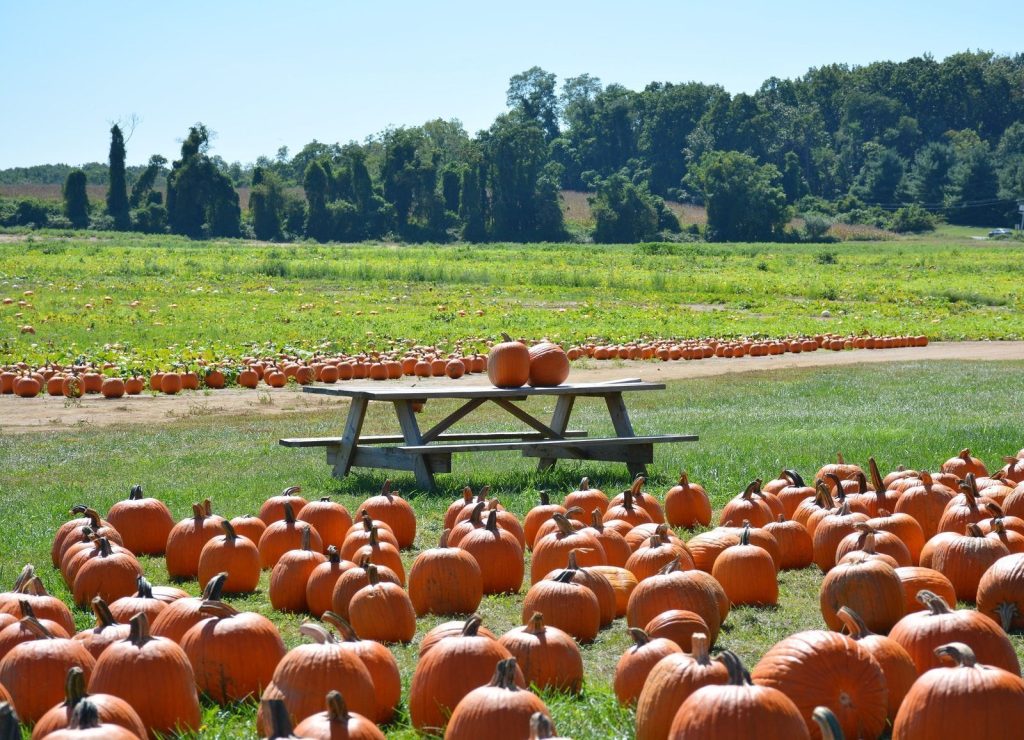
428	452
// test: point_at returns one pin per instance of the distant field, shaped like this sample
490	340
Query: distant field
218	298
577	209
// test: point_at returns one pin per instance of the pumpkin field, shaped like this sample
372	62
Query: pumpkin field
797	439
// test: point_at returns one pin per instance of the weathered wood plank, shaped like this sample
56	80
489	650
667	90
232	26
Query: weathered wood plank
559	422
342	458
588	443
637	454
411	433
398	439
464	410
526	418
482	391
389	458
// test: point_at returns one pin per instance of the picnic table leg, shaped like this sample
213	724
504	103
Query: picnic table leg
411	433
623	427
559	422
349	438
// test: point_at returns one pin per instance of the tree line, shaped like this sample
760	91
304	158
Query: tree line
895	144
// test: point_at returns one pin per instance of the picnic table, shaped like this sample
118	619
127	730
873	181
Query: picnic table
428	452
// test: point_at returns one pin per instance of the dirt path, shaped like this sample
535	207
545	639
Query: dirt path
18	415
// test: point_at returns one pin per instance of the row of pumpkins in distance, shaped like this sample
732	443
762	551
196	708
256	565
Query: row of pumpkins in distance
544	364
887	550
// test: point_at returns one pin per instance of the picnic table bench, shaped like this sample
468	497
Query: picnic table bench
428	452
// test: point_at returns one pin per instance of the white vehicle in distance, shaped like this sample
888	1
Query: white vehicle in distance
999	233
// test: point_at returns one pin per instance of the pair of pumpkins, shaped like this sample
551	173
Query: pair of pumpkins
511	364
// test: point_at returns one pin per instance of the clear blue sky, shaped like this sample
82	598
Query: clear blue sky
270	74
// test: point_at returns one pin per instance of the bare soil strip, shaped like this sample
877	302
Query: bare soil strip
48	414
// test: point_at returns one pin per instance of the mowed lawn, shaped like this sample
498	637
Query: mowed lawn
751	425
148	301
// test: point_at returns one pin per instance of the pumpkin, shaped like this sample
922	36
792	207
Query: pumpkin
921	632
670	682
142	522
549	365
657	551
672	588
627	511
354	579
85	724
179	616
452	668
707	546
819	668
41	604
382	611
811	510
883	542
331	520
249	526
395	511
687	504
107	630
186	540
636	663
445	580
537	516
870	587
322	580
34	671
897	666
499	556
548	657
336	722
307	672
379	661
451	629
94	527
106	573
641	499
983	700
284	535
273	509
677	625
110	709
964	508
142	601
747	507
926	502
916	579
383	554
831	530
233	654
552	551
459	504
965	558
288	578
362	532
622	582
963	464
233	554
587	499
72	526
20	630
841	469
904	526
747	573
796	550
593	580
738	708
467	525
1013	471
1001	592
616	549
569	606
508	363
497	710
792	493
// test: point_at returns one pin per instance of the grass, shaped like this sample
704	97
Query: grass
148	300
751	425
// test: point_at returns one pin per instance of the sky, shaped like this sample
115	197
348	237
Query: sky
263	75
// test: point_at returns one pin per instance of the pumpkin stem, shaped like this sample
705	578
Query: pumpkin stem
36	587
93	517
103	545
973	530
371	573
933	602
476	514
26	575
145	588
965	454
26	609
139	632
536	626
823	495
35	626
215	587
345	630
467	495
289	512
794	477
78	509
640	637
564	525
219	609
208	507
839	458
337	711
1007	611
572	563
584	485
306	534
365	520
654	541
959	653
862	483
699	645
85	717
280	720
745	534
638	484
316	633
374	540
364	560
485	491
10	728
443	542
230	535
74	687
492	521
292	491
564	576
540	726
505	337
595	520
669	567
102	611
135	494
926	481
544	498
876	478
385	490
969	486
828	723
853	622
995	509
469	629
738	675
198	512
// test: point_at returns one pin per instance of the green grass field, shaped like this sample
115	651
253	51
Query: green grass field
751	425
223	299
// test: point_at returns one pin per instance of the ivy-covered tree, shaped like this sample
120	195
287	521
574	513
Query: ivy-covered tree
318	221
76	199
144	185
622	211
473	203
117	191
745	200
266	204
201	200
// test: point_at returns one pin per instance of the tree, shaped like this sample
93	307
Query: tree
533	94
146	181
473	203
793	178
880	177
745	201
117	192
929	174
76	199
623	212
973	194
1009	157
266	204
318	221
201	200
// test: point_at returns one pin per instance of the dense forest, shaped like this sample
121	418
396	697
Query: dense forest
898	145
